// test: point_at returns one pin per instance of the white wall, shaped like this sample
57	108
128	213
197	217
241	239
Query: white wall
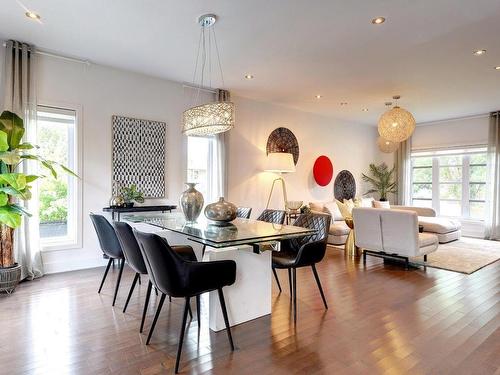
349	146
102	92
451	133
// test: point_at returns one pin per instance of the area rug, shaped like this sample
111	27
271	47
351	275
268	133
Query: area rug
466	255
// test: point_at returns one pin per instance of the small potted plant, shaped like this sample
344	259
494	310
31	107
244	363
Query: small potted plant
15	186
383	180
130	195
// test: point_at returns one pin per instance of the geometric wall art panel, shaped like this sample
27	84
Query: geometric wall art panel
139	155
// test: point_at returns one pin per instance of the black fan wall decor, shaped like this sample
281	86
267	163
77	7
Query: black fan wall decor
283	140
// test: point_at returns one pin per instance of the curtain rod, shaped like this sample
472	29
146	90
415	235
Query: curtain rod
58	56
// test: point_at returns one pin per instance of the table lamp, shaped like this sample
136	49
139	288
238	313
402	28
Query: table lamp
279	162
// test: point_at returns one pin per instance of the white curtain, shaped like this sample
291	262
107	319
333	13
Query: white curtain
20	98
403	169
493	180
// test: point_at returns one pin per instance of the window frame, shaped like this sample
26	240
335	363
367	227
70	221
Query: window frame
74	242
465	200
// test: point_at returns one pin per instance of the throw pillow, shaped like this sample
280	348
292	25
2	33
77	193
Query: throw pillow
344	209
333	209
381	204
366	202
317	206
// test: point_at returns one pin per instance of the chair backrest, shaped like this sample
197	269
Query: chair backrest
166	269
107	237
130	247
244	212
272	216
392	231
316	221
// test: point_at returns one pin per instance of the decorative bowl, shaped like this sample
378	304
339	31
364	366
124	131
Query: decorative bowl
294	205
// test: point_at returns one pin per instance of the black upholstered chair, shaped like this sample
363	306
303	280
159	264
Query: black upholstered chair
272	216
135	260
174	276
110	246
303	252
244	212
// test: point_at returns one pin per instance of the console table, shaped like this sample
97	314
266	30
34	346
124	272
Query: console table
116	211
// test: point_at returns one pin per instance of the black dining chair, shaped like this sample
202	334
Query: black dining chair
135	260
272	216
110	246
244	212
303	252
174	276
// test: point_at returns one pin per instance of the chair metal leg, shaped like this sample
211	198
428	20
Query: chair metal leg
316	276
122	264
364	258
140	282
169	298
294	279
226	320
181	338
277	280
146	304
290	281
157	314
198	312
136	277
105	274
203	251
425	258
190	311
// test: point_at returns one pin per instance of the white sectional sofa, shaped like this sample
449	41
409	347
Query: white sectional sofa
390	233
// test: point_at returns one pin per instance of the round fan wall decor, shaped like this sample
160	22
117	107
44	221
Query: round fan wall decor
344	186
283	140
323	170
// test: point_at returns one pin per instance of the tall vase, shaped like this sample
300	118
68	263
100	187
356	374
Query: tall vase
191	202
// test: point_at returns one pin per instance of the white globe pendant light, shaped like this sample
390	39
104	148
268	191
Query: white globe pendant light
397	124
213	117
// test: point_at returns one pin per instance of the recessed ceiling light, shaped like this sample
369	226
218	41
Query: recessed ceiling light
249	76
479	52
365	109
32	15
378	20
318	96
497	67
343	103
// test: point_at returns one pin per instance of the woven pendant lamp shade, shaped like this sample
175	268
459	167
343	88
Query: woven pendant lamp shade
208	119
387	146
396	125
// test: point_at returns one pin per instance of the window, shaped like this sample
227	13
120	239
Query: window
58	198
453	182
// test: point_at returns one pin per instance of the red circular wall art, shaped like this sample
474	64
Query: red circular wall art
323	170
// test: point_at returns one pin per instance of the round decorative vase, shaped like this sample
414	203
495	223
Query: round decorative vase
191	202
221	212
9	278
116	201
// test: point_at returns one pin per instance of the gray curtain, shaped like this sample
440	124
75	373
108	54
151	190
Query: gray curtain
492	221
403	172
20	98
220	161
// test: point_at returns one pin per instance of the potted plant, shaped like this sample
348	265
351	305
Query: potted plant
130	195
15	186
382	180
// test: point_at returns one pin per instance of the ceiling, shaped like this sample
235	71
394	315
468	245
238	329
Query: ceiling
296	49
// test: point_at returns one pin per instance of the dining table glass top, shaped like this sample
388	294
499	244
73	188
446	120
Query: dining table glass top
238	232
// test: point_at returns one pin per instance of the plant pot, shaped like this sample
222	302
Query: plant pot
128	204
9	278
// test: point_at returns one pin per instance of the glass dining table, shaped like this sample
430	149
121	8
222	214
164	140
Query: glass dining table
245	241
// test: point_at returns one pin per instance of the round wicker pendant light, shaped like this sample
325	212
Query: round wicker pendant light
387	146
397	124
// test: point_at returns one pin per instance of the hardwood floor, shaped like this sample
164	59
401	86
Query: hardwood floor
382	320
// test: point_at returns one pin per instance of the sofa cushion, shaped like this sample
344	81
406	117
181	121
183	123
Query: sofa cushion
339	228
317	206
427	239
439	224
333	209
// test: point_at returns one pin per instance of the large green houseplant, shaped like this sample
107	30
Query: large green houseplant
15	185
382	180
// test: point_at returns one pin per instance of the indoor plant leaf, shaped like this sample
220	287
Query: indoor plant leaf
4	198
4	144
13	125
10	217
10	157
16	180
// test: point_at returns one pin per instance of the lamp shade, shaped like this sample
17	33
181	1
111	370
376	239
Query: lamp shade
208	119
387	146
281	162
396	125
